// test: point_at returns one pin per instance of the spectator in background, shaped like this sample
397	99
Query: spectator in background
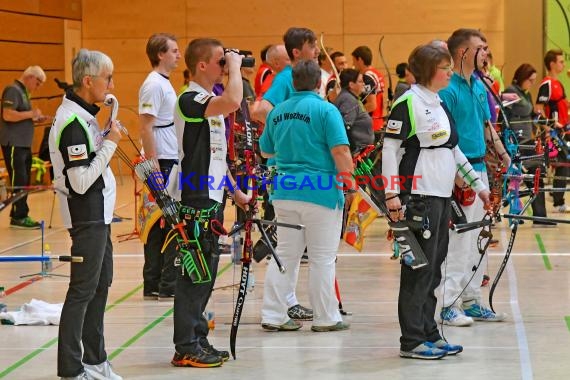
357	121
405	79
263	71
520	115
16	137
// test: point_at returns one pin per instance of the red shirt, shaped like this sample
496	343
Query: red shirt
374	85
262	73
551	94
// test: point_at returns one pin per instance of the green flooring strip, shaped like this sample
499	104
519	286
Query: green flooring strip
148	327
545	258
38	351
567	319
153	324
124	298
28	357
224	268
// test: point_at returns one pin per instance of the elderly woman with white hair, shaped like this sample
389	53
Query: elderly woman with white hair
80	154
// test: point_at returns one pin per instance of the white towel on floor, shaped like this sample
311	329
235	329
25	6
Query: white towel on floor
35	313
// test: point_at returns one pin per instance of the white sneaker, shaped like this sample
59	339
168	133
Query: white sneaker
454	316
562	209
102	371
479	312
82	376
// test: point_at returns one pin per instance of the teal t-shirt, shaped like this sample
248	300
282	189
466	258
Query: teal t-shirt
469	108
301	132
281	88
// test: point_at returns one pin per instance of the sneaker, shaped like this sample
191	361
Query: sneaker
225	355
454	316
300	313
82	376
339	326
26	223
290	325
561	209
452	349
426	351
479	312
152	296
200	360
103	371
163	297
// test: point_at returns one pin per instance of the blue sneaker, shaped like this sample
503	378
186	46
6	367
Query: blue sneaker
452	349
481	313
425	351
454	316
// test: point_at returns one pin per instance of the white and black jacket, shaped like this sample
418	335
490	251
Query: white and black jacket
80	157
421	141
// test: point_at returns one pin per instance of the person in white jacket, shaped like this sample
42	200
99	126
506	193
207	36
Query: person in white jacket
80	154
421	146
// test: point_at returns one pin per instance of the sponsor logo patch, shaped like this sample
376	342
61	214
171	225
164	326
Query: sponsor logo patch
215	122
438	135
146	105
201	98
77	152
394	126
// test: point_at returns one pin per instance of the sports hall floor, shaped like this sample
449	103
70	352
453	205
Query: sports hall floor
534	343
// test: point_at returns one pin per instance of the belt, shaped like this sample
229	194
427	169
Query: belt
476	160
164	126
198	215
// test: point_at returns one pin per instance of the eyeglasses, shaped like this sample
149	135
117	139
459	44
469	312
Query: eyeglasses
108	78
39	82
446	68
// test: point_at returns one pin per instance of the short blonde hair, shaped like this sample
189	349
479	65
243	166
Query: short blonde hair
35	71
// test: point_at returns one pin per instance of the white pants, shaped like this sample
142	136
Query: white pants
462	256
321	237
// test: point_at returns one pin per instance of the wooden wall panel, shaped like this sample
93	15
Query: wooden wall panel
263	18
24	28
111	19
128	55
405	16
48	89
70	9
22	55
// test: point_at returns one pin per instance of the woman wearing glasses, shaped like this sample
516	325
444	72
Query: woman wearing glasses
421	143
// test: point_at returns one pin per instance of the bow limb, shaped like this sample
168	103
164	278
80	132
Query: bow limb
333	67
248	224
503	263
387	68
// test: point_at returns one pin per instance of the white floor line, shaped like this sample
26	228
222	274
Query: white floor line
524	353
364	255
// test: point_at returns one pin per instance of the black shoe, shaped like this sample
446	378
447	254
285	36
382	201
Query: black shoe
166	297
152	296
300	313
225	355
201	360
26	223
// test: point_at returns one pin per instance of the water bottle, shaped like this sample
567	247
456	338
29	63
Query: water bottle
236	248
408	258
3	307
250	280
